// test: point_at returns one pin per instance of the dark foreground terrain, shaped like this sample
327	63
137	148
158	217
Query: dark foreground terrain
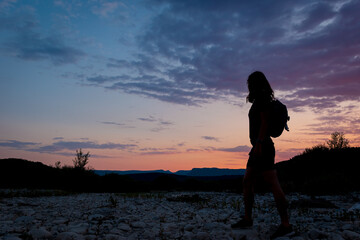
174	215
318	171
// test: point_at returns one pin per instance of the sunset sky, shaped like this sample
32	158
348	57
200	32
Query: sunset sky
154	84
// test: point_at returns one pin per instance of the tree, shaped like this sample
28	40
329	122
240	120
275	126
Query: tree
58	164
81	159
338	141
316	148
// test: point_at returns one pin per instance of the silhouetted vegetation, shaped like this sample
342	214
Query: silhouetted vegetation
81	159
338	141
331	168
321	170
18	173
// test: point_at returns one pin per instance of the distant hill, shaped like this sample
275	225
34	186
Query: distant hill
195	172
22	173
19	173
202	172
104	172
318	171
322	171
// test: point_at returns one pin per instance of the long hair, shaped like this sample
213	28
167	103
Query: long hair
259	88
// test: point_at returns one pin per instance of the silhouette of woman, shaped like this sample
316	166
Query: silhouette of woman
262	155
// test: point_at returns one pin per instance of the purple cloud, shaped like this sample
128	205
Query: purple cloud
73	145
158	151
161	124
243	148
113	123
28	44
210	138
147	119
193	52
17	144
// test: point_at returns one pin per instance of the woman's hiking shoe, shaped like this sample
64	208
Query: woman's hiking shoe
283	231
243	223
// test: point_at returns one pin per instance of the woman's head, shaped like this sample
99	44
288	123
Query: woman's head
259	87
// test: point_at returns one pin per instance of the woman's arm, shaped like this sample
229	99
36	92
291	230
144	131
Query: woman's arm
264	116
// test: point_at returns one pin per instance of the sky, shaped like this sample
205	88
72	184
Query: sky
154	84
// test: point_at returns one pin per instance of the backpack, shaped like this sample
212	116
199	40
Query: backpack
278	118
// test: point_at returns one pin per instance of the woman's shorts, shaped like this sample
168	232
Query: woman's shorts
267	159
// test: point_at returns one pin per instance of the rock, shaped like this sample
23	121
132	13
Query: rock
96	217
202	236
124	227
188	236
355	207
189	227
84	217
312	203
111	237
40	233
170	227
347	234
69	236
80	228
90	237
24	220
27	212
147	234
138	224
347	227
316	234
134	236
210	226
297	238
198	218
252	234
59	221
335	236
224	217
11	238
238	235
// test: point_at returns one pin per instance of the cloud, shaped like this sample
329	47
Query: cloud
147	119
194	52
58	138
35	47
161	88
106	7
341	120
113	123
181	144
6	4
27	43
17	144
158	151
210	138
161	124
73	145
158	129
63	147
122	125
242	148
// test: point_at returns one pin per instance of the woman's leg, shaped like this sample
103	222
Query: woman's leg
248	192
270	177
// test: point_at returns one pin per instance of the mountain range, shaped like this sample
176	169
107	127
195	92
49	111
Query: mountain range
316	171
195	172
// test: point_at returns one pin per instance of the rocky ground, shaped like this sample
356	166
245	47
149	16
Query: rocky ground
173	216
